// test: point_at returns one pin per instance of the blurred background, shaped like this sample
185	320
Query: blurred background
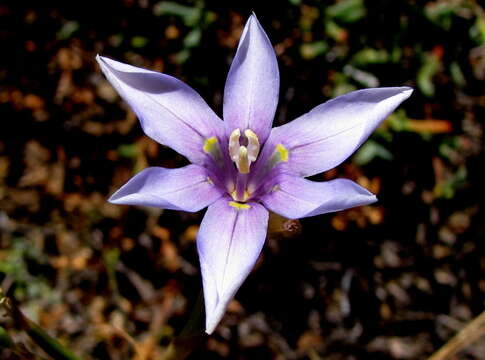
394	280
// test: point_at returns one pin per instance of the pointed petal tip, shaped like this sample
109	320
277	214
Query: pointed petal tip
113	199
117	199
407	91
247	106
100	59
253	18
301	198
103	64
214	317
229	243
106	62
253	21
210	327
372	199
367	198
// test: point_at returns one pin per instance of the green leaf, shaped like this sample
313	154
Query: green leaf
429	68
448	188
334	31
370	56
312	50
347	11
363	77
440	13
398	121
193	38
5	339
139	41
457	74
111	258
371	150
190	15
67	30
182	56
50	345
128	151
477	31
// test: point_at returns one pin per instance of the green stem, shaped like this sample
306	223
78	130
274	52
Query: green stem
191	336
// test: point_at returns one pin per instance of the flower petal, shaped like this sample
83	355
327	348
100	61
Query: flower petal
187	189
294	197
229	242
331	132
252	85
170	112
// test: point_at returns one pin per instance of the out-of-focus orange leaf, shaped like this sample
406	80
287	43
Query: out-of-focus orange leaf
431	126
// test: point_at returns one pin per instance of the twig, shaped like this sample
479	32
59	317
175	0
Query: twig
466	336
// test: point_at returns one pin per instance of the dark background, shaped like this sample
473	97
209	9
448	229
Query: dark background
394	280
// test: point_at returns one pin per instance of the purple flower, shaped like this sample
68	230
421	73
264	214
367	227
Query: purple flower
241	167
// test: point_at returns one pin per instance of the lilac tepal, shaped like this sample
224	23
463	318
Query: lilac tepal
241	167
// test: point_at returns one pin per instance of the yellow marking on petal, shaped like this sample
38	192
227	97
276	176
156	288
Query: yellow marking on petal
211	144
239	206
212	148
282	152
275	188
209	180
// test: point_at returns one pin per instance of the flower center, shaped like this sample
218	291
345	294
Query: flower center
243	150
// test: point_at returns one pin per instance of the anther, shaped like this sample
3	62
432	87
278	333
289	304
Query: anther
253	144
234	144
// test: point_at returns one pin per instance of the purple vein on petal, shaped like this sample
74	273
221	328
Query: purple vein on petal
231	241
317	141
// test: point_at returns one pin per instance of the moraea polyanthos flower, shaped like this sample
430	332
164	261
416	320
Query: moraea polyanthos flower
241	167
